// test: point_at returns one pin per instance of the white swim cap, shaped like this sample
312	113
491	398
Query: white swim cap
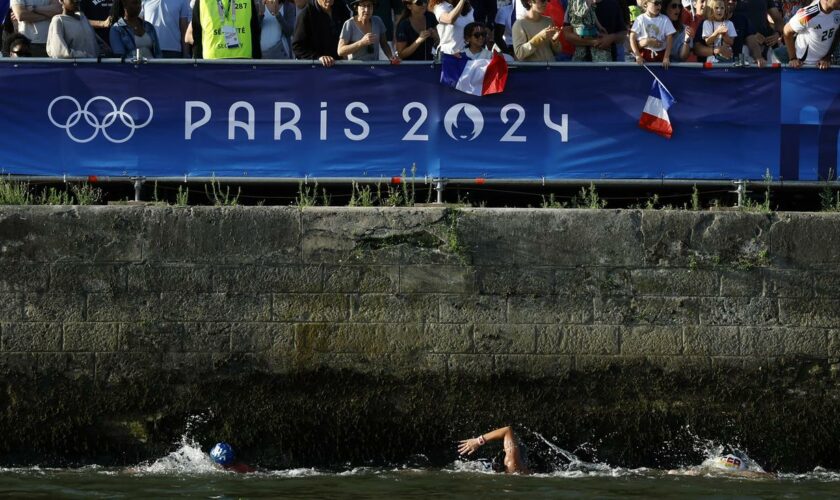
730	463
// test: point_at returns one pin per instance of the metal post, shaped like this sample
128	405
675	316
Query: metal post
439	185
138	188
741	191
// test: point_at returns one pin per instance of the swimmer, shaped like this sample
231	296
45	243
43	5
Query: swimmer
514	460
222	454
729	464
736	466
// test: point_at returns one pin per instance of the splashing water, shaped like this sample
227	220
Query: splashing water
187	459
712	453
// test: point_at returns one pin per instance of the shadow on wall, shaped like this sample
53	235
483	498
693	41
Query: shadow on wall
812	143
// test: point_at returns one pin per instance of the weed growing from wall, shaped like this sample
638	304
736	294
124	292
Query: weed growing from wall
763	207
695	198
221	197
14	193
86	194
551	202
829	198
361	196
588	198
182	198
52	196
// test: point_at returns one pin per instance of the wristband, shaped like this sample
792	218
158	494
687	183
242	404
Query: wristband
481	440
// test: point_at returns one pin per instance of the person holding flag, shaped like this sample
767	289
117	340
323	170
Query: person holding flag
652	35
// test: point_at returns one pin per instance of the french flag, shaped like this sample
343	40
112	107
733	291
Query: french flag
655	115
480	77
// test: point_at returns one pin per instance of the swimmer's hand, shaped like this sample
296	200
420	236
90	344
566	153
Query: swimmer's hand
468	446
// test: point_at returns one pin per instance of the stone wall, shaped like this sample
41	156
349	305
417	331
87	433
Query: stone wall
327	335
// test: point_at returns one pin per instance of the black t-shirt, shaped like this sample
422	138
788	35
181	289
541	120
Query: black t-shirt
97	10
610	15
755	11
406	33
484	11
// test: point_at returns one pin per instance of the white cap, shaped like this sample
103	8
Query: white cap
730	463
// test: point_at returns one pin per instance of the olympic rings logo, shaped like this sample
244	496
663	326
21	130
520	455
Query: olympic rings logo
73	121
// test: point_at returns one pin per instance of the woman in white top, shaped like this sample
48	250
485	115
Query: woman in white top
363	35
453	16
70	34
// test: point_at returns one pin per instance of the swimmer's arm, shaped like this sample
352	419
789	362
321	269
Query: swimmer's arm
469	446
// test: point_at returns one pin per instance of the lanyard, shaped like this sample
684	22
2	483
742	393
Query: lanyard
223	14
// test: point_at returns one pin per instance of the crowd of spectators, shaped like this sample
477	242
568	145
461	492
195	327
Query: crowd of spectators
741	32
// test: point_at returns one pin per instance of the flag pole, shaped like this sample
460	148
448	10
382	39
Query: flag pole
658	80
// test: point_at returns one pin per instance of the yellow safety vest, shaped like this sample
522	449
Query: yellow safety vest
213	39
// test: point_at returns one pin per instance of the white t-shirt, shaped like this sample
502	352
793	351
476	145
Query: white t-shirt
658	28
503	16
451	35
815	32
709	27
36	32
165	16
483	54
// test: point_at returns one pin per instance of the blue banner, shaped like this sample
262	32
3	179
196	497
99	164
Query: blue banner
292	121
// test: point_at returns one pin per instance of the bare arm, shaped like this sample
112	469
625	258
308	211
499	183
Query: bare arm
50	10
24	15
790	36
513	459
685	48
405	49
182	25
383	44
105	23
634	45
346	48
669	43
576	39
452	15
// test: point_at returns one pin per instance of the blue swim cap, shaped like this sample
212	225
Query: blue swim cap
222	453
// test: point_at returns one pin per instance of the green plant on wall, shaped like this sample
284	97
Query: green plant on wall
829	198
360	196
221	197
182	197
53	196
14	192
551	202
695	198
764	206
86	194
588	198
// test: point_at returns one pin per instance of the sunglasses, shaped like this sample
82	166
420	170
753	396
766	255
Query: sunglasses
657	3
479	34
675	6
